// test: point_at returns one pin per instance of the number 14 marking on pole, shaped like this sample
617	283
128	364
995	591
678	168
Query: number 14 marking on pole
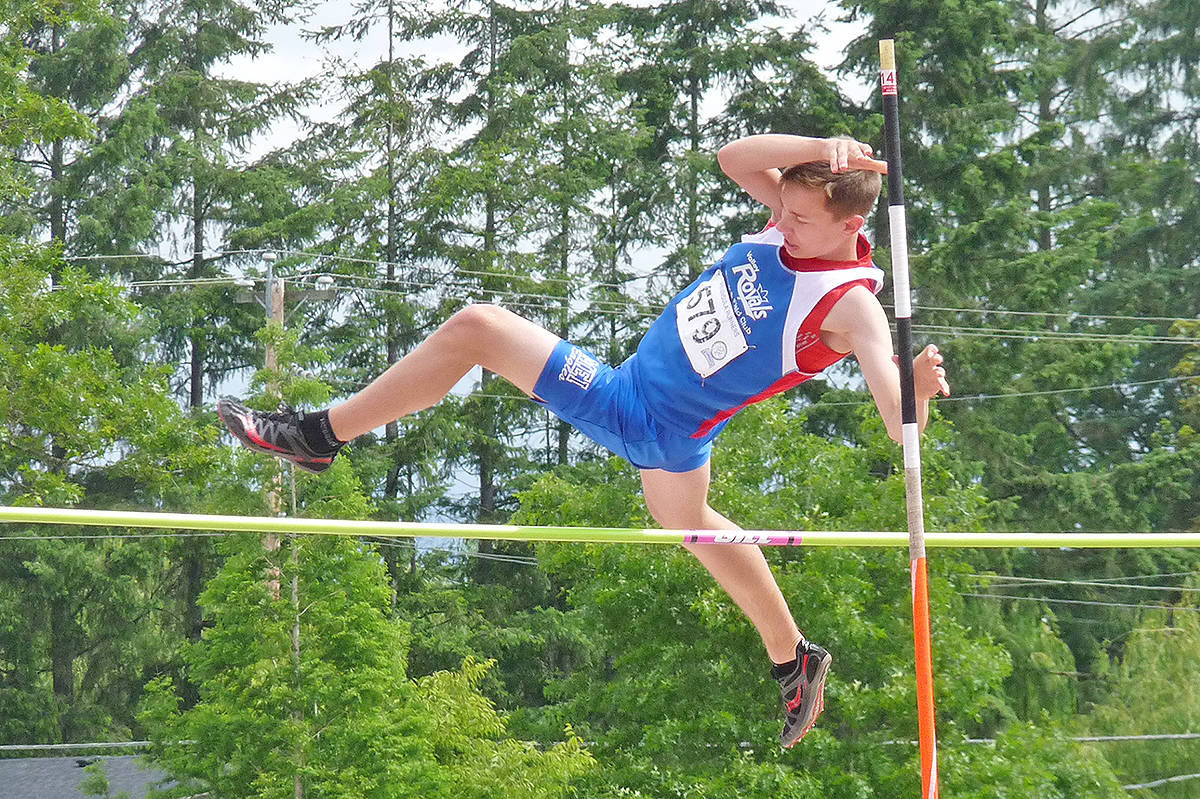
887	81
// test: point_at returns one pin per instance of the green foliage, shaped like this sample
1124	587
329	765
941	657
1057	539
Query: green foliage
310	689
27	115
74	383
80	412
674	678
1027	761
1154	690
478	760
96	783
333	715
1050	154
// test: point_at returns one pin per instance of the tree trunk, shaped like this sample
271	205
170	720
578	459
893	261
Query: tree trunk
298	712
196	370
58	214
1045	199
392	429
693	220
62	664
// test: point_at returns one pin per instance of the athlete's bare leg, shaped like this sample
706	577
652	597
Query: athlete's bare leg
484	335
679	501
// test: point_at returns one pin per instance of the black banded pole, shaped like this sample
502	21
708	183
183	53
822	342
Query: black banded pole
908	406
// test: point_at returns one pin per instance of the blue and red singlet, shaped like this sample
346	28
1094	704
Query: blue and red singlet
746	329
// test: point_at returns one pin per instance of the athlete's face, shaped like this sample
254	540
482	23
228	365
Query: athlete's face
811	231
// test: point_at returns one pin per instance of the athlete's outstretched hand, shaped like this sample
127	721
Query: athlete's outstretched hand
846	154
929	375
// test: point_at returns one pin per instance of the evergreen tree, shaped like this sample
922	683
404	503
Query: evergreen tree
30	117
1029	212
82	417
682	50
305	694
585	127
1040	270
476	209
1154	692
359	205
198	125
83	63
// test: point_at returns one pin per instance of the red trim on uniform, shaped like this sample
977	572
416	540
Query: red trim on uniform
778	387
821	265
812	354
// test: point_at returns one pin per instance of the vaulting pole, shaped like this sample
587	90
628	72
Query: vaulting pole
912	444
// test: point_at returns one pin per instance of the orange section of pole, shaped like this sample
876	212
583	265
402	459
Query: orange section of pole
924	663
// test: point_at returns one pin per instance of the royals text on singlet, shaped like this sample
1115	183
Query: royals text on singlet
745	330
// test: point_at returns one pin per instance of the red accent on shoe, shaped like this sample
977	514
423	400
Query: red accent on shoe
252	434
799	697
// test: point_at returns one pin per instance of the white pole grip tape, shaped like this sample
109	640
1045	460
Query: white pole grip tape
899	238
912	446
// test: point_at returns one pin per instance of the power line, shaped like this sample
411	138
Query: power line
498	556
1048	600
115	536
199	533
1053	315
654	308
1005	581
1185	736
1077	739
512	296
1179	736
524	560
1164	781
1050	392
1016	334
1146	576
617	306
867	399
625	309
449	272
1068	315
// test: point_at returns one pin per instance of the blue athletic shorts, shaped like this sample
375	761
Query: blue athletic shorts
603	403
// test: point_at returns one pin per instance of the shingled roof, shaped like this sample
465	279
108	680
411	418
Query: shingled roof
59	777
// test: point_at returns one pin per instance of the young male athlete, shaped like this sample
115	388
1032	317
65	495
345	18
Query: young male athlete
776	309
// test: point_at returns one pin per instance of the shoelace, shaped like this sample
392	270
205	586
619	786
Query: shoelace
280	414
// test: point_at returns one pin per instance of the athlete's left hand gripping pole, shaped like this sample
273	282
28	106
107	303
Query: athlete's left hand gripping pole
912	444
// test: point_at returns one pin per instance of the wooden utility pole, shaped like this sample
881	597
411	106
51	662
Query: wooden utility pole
274	303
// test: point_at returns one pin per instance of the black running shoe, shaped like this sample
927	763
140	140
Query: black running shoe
276	434
803	689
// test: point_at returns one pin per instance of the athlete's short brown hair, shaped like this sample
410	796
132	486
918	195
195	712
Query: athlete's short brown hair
847	194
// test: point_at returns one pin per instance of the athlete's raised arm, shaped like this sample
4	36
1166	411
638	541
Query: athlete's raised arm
756	162
858	322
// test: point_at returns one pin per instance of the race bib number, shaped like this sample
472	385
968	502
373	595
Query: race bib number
708	326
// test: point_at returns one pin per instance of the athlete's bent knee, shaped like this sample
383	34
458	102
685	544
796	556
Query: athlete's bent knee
473	325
